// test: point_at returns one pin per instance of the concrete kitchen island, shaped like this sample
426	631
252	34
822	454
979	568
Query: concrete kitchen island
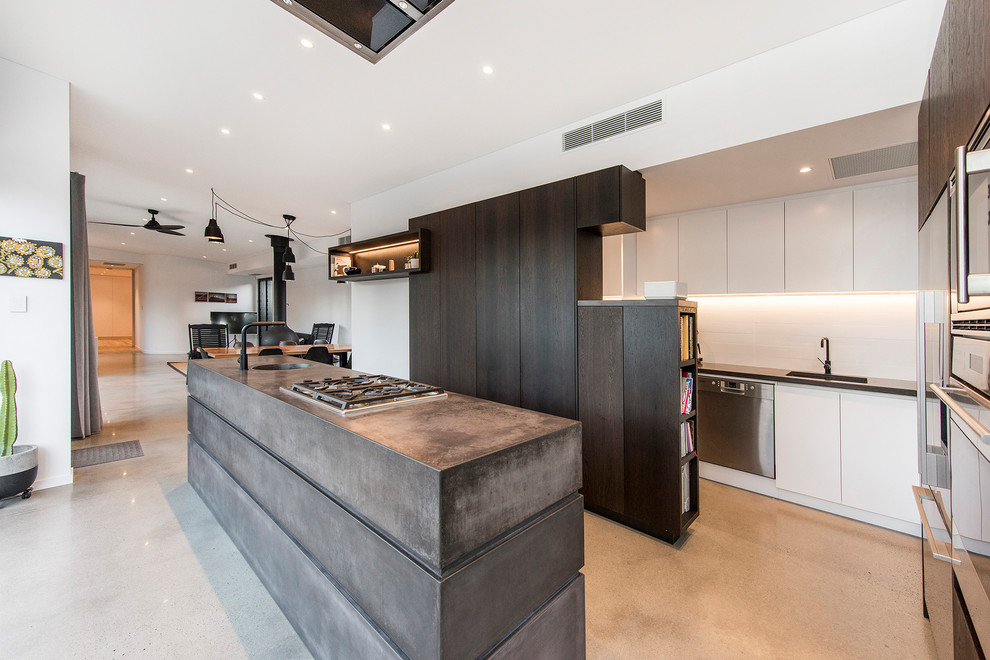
449	528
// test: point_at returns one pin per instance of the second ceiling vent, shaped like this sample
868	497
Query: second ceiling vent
645	115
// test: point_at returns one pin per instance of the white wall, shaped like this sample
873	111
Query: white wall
871	335
34	203
876	62
313	298
166	306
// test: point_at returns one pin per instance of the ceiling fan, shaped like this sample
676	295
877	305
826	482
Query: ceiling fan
152	224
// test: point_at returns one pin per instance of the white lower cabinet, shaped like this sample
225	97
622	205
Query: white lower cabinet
806	432
851	448
879	454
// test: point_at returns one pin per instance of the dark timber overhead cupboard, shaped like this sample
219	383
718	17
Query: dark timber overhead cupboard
497	317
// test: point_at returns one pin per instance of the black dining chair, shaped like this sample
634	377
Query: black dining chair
319	354
270	351
322	333
206	335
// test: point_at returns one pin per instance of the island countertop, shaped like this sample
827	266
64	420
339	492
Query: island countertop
447	528
480	467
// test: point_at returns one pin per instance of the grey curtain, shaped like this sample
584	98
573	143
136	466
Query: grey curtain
87	418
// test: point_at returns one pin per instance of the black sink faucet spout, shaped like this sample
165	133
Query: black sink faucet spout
828	360
243	360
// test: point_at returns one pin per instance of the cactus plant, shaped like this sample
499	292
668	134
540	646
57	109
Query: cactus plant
8	408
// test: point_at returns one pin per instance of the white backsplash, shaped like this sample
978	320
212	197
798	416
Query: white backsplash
871	334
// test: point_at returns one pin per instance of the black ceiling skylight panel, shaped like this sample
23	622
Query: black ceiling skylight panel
370	28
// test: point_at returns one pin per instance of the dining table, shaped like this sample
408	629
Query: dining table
343	350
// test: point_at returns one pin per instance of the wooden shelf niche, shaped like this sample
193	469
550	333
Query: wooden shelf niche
380	251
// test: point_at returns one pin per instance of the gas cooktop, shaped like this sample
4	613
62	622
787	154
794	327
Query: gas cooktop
352	394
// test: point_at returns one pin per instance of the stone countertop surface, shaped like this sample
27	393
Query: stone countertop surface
440	434
876	385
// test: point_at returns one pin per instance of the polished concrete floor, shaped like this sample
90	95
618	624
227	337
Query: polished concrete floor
128	562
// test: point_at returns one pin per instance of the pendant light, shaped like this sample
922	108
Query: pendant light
287	255
213	233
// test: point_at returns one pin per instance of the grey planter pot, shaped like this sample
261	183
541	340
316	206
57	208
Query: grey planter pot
18	471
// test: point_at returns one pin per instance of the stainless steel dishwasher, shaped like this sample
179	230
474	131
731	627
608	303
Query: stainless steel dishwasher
735	424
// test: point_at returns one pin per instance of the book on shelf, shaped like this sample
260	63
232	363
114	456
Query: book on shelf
686	487
687	437
687	336
687	391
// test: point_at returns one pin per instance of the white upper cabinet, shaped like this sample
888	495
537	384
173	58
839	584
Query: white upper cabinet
656	252
885	225
756	248
702	251
818	243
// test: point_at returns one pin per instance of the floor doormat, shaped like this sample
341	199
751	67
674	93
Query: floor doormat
118	451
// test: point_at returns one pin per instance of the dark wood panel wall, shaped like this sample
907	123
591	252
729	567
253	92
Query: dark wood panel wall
956	97
497	254
496	316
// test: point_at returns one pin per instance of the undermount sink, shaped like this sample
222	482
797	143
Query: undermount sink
284	365
820	376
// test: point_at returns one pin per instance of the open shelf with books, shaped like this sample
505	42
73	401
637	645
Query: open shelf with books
637	393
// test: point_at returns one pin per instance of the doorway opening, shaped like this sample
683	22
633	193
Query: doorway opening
112	291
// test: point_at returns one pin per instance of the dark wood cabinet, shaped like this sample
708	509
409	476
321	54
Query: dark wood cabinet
497	267
548	299
425	308
611	201
496	316
458	296
635	359
956	98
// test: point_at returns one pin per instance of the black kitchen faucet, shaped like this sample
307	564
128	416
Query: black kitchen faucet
828	360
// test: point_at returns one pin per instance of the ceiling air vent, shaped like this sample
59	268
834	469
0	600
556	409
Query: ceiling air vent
232	266
875	160
645	115
113	263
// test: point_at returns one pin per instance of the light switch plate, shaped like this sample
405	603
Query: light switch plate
18	303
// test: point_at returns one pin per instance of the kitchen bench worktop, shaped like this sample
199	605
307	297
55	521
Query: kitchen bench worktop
447	528
876	385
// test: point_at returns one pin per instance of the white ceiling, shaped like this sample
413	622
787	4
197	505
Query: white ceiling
153	83
769	168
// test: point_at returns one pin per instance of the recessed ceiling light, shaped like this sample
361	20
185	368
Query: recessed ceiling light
306	43
333	213
123	243
487	70
250	240
188	171
804	170
225	131
357	45
204	256
403	5
386	127
225	249
259	96
132	233
164	200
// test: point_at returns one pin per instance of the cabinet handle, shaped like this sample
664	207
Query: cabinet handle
967	162
962	226
940	550
954	406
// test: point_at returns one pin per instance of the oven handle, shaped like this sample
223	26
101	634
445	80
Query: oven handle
963	414
940	550
967	162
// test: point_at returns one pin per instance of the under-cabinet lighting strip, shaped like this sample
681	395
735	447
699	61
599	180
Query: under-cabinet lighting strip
383	247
